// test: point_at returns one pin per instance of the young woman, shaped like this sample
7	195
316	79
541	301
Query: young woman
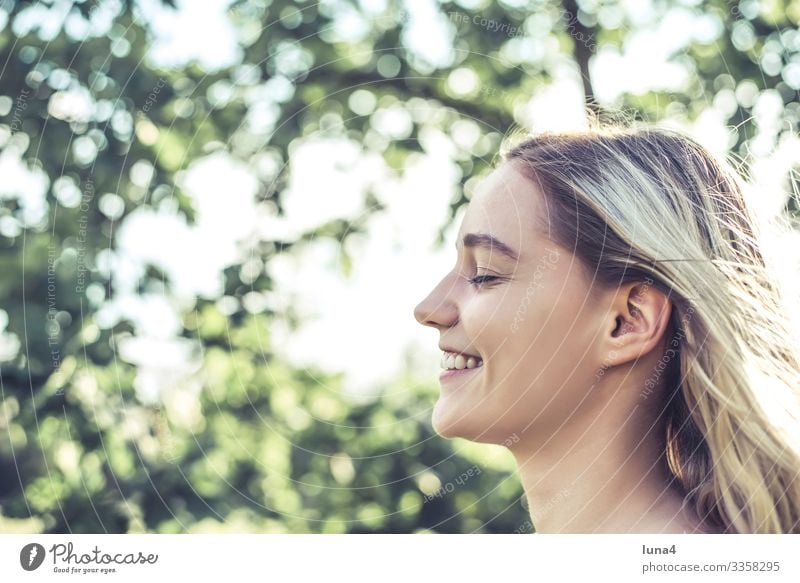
611	319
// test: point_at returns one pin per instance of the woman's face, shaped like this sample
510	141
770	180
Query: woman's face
533	325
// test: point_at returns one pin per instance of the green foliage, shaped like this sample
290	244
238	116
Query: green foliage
249	444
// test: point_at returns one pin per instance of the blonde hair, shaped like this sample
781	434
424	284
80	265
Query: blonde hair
651	204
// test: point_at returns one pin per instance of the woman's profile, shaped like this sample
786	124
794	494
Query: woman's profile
612	317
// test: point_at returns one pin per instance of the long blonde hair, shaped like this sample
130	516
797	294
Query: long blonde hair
651	204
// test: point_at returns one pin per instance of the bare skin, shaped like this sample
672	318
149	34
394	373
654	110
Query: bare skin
564	367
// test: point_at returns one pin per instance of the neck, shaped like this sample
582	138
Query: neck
608	477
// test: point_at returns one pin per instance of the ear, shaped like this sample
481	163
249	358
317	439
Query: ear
637	319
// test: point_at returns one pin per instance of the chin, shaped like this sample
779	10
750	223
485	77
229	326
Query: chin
450	423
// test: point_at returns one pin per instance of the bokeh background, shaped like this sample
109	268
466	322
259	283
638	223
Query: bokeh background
217	217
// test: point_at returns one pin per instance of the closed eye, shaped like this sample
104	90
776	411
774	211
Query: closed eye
481	279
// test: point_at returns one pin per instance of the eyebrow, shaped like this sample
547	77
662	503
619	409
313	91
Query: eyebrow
490	242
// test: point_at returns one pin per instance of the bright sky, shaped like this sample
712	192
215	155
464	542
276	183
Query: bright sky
362	325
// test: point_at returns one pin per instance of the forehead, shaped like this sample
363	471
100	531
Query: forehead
507	205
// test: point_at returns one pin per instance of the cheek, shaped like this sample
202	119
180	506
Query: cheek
547	363
518	302
489	321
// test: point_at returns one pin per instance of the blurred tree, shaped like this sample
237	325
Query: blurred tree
92	129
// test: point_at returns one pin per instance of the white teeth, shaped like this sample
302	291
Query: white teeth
453	361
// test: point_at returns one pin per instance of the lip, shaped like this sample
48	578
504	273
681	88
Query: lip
455	373
446	348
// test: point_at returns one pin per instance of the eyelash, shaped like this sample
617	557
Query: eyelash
479	280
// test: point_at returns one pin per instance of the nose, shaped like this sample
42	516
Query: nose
438	309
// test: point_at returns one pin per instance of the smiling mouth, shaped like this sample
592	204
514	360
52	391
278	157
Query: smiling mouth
459	372
459	365
454	361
